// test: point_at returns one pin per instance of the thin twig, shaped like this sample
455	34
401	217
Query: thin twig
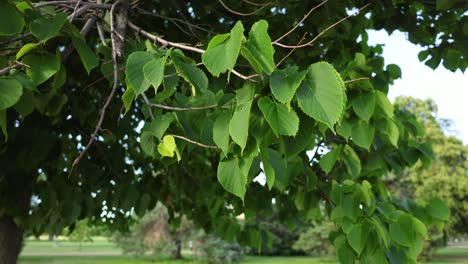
300	22
194	142
321	33
55	3
15	65
17	38
106	103
148	104
239	13
102	78
256	4
101	32
176	45
144	12
357	79
74	10
173	108
291	51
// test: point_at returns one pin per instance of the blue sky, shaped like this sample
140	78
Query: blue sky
449	90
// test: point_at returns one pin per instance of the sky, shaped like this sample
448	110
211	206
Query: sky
449	90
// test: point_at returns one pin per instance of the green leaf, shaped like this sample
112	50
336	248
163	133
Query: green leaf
3	125
327	162
159	125
26	104
321	94
282	121
380	230
239	125
12	19
284	83
134	71
357	237
10	92
27	83
221	133
384	104
148	143
344	128
363	134
41	67
167	147
344	252
26	49
189	71
366	190
364	106
372	257
46	28
88	57
420	227
154	72
438	209
231	177
128	97
352	161
442	5
394	70
223	50
258	50
275	168
390	129
402	231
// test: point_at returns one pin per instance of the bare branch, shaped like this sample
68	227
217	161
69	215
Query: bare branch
300	22
239	13
173	108
148	104
106	103
256	4
321	33
17	38
15	65
172	19
55	3
194	142
74	10
291	51
357	79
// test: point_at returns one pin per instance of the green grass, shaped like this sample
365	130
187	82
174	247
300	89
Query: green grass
93	260
444	256
67	246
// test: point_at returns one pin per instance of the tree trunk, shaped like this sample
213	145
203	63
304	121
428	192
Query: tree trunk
177	254
11	239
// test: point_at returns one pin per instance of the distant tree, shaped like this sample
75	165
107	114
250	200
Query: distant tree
444	179
446	176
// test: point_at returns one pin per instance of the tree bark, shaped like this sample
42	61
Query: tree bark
177	254
11	239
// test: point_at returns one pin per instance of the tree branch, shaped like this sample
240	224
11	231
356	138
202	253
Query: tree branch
300	22
15	65
173	108
176	45
239	13
321	33
194	142
108	100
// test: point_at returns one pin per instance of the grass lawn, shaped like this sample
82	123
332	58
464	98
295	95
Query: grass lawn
103	252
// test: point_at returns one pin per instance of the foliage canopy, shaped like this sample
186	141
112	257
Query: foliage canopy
86	137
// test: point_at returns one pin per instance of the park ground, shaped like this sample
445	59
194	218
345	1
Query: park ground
100	251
